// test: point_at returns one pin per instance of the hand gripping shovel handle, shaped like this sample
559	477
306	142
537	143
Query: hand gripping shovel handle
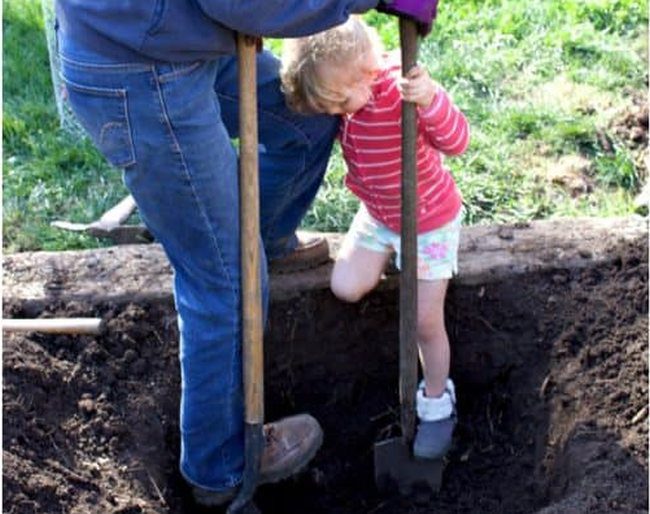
252	330
408	357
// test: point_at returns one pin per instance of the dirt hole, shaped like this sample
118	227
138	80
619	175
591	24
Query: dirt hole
551	373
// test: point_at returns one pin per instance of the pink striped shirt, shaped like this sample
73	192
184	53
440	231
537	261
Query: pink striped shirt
371	140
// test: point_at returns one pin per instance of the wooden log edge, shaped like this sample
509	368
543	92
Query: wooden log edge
489	253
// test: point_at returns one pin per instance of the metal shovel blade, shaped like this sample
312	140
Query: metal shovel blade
397	469
110	225
119	234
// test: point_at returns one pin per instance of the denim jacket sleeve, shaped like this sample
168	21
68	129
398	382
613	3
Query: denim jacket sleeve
282	18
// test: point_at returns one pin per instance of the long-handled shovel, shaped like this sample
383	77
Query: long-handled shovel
394	461
252	332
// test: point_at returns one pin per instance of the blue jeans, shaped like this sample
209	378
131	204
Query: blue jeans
169	126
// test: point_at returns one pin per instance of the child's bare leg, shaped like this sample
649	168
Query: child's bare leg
436	401
432	337
356	271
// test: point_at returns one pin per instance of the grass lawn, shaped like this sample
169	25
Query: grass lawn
547	86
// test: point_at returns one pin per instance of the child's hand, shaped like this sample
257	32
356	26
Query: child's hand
418	87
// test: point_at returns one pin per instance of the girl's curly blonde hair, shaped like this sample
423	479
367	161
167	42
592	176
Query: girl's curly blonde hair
302	58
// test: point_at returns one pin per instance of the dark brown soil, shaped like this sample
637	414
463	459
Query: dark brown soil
552	375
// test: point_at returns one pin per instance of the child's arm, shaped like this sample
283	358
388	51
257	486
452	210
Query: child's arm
445	127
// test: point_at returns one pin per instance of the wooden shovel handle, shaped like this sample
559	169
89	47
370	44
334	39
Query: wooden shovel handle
408	353
252	321
252	330
117	214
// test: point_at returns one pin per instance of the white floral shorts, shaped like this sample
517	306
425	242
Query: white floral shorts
437	249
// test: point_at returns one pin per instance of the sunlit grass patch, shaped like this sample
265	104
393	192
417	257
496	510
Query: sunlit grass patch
538	81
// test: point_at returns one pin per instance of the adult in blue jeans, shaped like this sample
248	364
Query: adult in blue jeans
153	82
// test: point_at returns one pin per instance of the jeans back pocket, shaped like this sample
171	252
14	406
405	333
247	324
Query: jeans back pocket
103	113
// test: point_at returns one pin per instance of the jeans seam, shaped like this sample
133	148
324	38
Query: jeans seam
199	205
133	159
166	77
123	67
97	91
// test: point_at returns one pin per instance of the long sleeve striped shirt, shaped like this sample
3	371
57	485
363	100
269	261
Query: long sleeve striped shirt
371	140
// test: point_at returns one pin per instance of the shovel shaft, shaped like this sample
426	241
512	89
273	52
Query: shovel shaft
119	213
408	353
250	233
252	333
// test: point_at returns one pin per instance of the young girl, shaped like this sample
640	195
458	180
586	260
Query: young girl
342	71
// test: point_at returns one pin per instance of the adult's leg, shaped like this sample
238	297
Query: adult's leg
182	172
294	151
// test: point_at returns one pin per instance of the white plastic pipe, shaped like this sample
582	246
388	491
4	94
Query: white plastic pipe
54	325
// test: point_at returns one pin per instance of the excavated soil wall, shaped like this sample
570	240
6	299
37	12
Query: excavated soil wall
549	355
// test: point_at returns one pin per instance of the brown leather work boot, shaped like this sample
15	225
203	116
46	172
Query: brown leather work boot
290	444
311	252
